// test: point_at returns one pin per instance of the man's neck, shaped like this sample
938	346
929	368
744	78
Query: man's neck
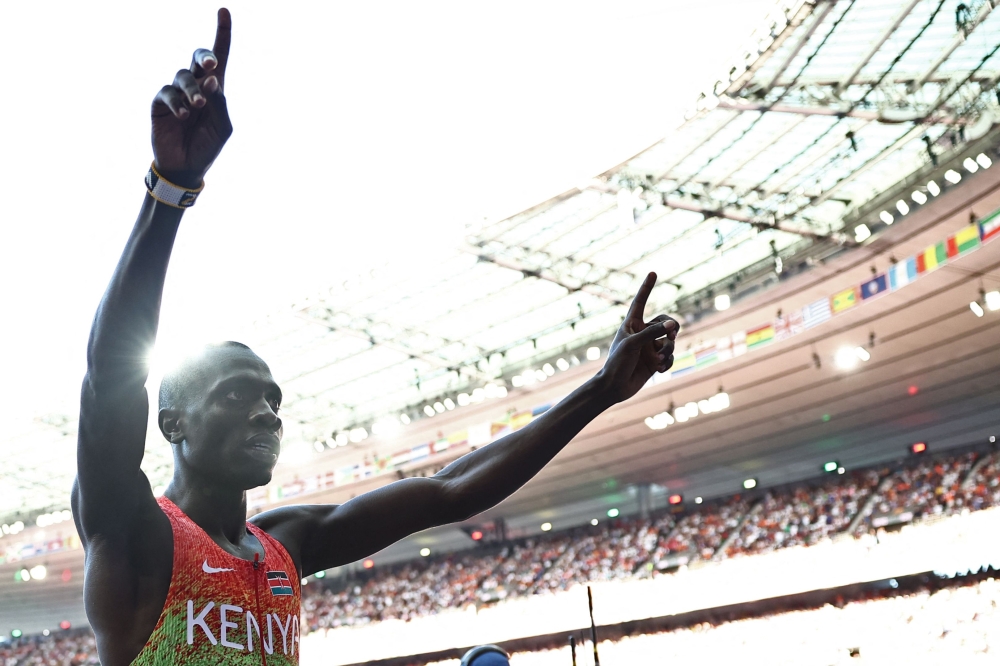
221	512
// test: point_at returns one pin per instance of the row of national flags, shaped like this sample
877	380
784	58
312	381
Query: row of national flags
899	275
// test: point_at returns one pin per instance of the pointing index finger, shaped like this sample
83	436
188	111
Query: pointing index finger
223	35
639	302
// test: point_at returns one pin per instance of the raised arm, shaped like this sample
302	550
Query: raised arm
327	536
190	124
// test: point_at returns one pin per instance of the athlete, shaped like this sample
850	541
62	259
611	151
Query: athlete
186	578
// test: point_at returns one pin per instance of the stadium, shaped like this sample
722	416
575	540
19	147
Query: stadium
815	480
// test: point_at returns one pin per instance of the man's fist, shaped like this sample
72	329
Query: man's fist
190	119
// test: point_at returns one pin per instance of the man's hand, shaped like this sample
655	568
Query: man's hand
190	119
636	353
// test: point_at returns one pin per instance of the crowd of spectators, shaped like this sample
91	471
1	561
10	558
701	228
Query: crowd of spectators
617	549
75	647
640	547
803	515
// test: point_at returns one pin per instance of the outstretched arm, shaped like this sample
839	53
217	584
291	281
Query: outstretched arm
190	124
325	536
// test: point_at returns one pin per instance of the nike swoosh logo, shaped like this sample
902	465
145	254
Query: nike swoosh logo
211	570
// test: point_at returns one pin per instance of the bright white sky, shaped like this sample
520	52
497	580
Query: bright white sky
363	131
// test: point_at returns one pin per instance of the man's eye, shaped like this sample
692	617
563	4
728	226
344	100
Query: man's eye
235	395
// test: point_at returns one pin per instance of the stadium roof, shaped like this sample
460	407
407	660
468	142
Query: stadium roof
833	104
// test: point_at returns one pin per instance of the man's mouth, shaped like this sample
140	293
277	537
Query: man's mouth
265	445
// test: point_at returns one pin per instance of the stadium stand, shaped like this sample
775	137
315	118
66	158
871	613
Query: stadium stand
636	547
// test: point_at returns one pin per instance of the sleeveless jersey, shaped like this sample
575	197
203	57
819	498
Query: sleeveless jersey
224	610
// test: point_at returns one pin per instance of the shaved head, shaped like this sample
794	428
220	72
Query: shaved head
189	378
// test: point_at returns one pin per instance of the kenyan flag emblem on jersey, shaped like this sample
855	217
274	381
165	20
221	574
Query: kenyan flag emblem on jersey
279	583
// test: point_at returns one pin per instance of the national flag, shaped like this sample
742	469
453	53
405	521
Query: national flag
479	434
724	348
989	226
401	457
843	300
705	356
739	343
934	256
683	363
458	438
903	273
816	313
877	285
788	325
520	420
441	444
760	336
420	451
279	584
965	239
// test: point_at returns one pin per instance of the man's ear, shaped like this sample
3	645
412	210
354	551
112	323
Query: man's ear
170	425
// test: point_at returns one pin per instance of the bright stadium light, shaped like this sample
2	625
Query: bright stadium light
594	521
984	161
424	552
830	466
886	217
463	399
722	302
970	165
593	353
613	513
548	369
38	572
933	188
993	300
698	500
343	438
429	411
862	232
404	419
862	353
977	309
439	407
449	404
952	176
750	483
919	197
546	527
562	364
902	207
517	381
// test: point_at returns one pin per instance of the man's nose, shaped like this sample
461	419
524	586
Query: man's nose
264	415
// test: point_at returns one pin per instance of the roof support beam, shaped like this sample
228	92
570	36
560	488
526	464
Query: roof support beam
736	216
984	11
913	116
820	16
877	44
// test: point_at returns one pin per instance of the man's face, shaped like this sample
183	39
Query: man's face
230	430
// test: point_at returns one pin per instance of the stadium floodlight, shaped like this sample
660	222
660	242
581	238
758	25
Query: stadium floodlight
698	500
886	217
358	435
919	197
862	232
540	375
319	446
517	381
977	309
15	633
429	411
952	176
38	572
613	513
320	574
984	161
722	302
918	448
424	552
562	364
593	353
463	399
594	521
343	438
439	407
933	188
970	165
902	207
449	404
675	499
992	300
862	353
750	483
830	466
546	527
404	419
548	369
841	470
368	564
